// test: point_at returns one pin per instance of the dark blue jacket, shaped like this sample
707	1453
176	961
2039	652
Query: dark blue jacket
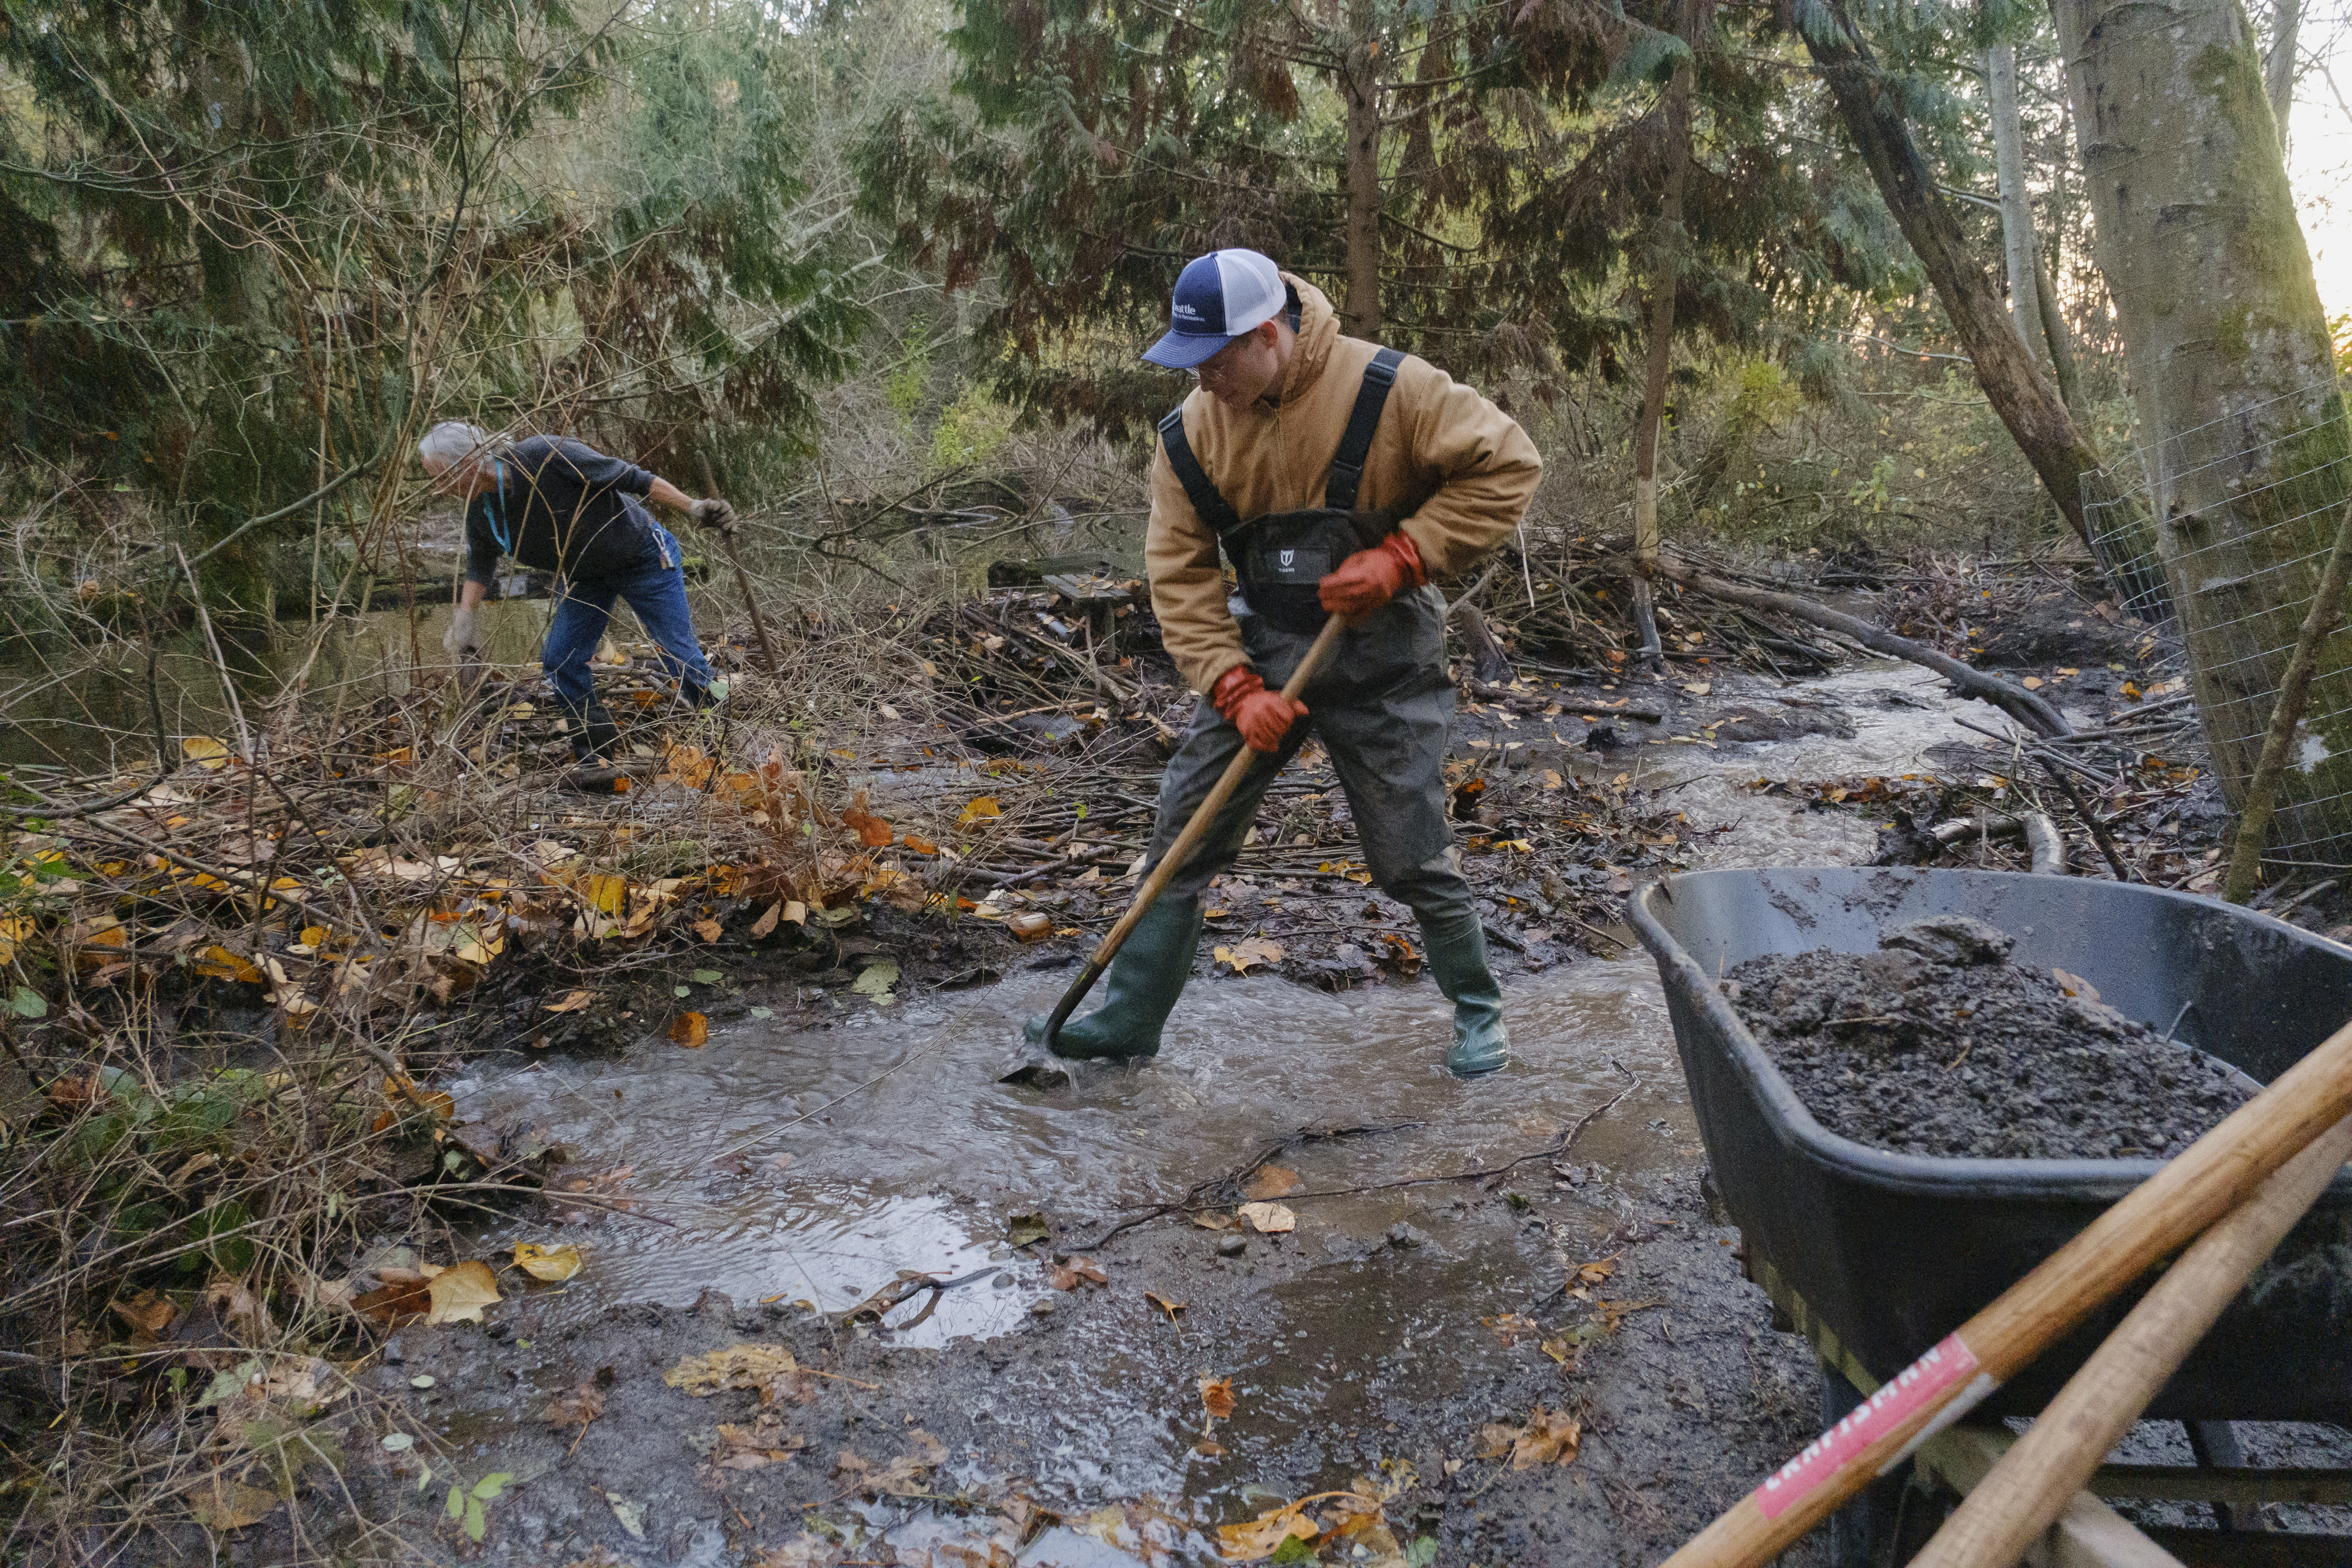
560	505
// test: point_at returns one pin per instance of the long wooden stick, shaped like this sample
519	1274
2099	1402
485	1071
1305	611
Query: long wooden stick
2036	1480
1187	841
2162	1214
758	622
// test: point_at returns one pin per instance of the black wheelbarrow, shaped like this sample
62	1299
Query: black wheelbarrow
1877	1256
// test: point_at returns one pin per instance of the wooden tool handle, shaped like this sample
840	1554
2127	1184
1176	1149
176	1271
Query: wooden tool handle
2162	1214
2035	1479
1203	818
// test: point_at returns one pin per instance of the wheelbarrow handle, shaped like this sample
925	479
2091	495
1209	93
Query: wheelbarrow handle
2219	1172
1181	852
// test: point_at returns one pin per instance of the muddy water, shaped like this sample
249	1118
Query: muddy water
920	1169
813	1165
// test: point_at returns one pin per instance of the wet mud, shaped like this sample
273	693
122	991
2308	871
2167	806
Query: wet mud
1936	1045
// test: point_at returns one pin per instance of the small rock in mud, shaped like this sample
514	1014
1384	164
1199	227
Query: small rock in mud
1952	939
1232	1245
1402	1234
1935	1045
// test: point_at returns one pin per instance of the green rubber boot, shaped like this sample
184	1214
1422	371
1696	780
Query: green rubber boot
1457	961
1139	990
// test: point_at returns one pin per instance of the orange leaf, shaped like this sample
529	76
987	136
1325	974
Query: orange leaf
919	846
1217	1397
872	831
690	1030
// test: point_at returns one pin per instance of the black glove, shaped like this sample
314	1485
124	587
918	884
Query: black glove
714	515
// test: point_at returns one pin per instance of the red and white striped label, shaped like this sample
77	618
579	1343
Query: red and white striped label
1916	1388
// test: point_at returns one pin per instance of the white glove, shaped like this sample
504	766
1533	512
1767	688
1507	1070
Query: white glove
714	515
462	638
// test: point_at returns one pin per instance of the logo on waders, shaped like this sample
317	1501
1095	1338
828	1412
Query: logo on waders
1287	557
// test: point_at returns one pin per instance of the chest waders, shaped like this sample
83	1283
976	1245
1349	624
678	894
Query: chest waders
1280	559
1281	556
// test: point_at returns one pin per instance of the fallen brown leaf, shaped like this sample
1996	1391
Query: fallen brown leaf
230	1505
1215	1220
1269	1220
902	1475
1272	1182
1217	1397
1512	1327
767	921
755	1446
148	1313
572	1002
395	1303
771	1371
1077	1272
582	1403
691	1030
460	1293
1164	1304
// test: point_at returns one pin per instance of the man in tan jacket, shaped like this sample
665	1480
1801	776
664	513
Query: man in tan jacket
1337	477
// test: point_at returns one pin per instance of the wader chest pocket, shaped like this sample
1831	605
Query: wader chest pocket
1284	557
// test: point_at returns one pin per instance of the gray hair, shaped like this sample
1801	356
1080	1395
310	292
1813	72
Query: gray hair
453	441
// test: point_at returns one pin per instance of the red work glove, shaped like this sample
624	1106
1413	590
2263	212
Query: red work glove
1370	578
1263	717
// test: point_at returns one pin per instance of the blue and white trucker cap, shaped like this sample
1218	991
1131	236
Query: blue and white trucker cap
1218	298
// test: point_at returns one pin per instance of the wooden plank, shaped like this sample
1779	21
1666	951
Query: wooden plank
2089	1534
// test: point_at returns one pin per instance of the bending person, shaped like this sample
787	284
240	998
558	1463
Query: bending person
560	506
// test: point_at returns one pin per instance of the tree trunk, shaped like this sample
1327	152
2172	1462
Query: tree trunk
2232	370
1360	88
2016	207
1666	272
2060	341
2278	71
2032	409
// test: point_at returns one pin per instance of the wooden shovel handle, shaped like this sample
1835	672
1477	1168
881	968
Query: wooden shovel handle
1179	853
2214	1175
2039	1475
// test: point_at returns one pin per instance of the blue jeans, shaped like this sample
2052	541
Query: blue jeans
656	592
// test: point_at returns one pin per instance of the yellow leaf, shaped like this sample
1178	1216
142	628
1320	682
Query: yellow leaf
607	894
984	806
690	1030
547	1263
315	937
221	964
459	1294
204	752
738	1366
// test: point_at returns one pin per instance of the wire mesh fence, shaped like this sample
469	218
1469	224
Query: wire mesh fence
2223	531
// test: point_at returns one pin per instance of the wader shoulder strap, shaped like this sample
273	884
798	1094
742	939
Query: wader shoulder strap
1348	465
1207	500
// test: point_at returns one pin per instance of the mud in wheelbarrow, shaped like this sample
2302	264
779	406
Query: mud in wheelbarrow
1891	1252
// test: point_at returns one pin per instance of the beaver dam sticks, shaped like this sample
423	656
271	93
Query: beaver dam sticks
1938	1045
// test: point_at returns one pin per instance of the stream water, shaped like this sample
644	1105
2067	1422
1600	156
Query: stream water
813	1164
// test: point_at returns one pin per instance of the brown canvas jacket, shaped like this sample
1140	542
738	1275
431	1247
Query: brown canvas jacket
1460	467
